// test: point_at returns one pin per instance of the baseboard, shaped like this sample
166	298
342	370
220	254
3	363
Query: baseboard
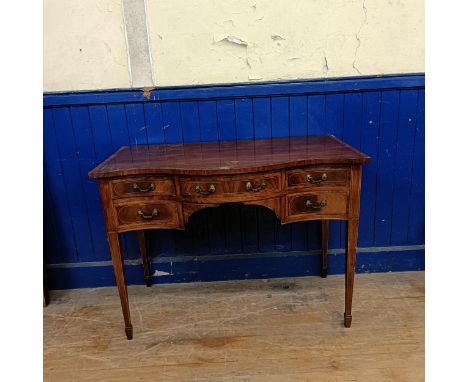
236	267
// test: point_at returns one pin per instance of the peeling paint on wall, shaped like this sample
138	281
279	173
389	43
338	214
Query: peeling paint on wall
209	41
232	39
240	40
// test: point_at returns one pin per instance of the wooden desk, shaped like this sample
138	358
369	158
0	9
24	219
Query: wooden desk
298	178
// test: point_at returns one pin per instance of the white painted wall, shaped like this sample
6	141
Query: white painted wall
229	41
84	45
203	41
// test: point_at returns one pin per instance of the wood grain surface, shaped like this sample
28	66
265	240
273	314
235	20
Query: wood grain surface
228	157
276	330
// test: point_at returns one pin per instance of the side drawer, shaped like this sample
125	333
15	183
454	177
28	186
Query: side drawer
321	203
317	176
165	213
142	186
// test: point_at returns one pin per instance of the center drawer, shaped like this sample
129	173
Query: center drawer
231	187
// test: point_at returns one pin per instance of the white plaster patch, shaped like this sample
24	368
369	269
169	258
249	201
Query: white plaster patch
160	273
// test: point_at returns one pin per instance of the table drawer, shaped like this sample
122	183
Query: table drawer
318	203
317	176
231	186
142	186
165	213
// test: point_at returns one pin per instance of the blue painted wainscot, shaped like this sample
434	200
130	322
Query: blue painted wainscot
381	116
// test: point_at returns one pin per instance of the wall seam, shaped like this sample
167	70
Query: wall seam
126	44
148	39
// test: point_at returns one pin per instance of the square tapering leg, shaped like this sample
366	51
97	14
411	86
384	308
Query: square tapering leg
144	258
351	245
117	261
325	230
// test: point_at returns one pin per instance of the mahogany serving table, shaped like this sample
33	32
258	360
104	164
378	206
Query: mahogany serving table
298	178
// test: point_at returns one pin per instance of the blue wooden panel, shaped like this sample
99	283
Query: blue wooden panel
249	228
100	126
244	118
232	224
198	227
58	194
352	119
266	229
314	234
316	115
164	242
216	230
262	117
118	129
183	242
403	165
172	125
385	163
416	218
297	116
154	123
299	234
207	114
152	238
226	120
370	131
334	114
282	236
190	121
279	117
53	246
136	124
73	182
87	161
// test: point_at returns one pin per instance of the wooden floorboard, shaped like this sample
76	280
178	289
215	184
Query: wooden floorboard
253	330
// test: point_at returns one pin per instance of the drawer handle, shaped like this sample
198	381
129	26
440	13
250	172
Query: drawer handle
154	213
251	187
199	190
137	188
313	206
316	181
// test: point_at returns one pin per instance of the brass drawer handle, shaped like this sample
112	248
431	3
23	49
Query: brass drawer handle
323	178
154	213
137	188
251	187
211	190
319	206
